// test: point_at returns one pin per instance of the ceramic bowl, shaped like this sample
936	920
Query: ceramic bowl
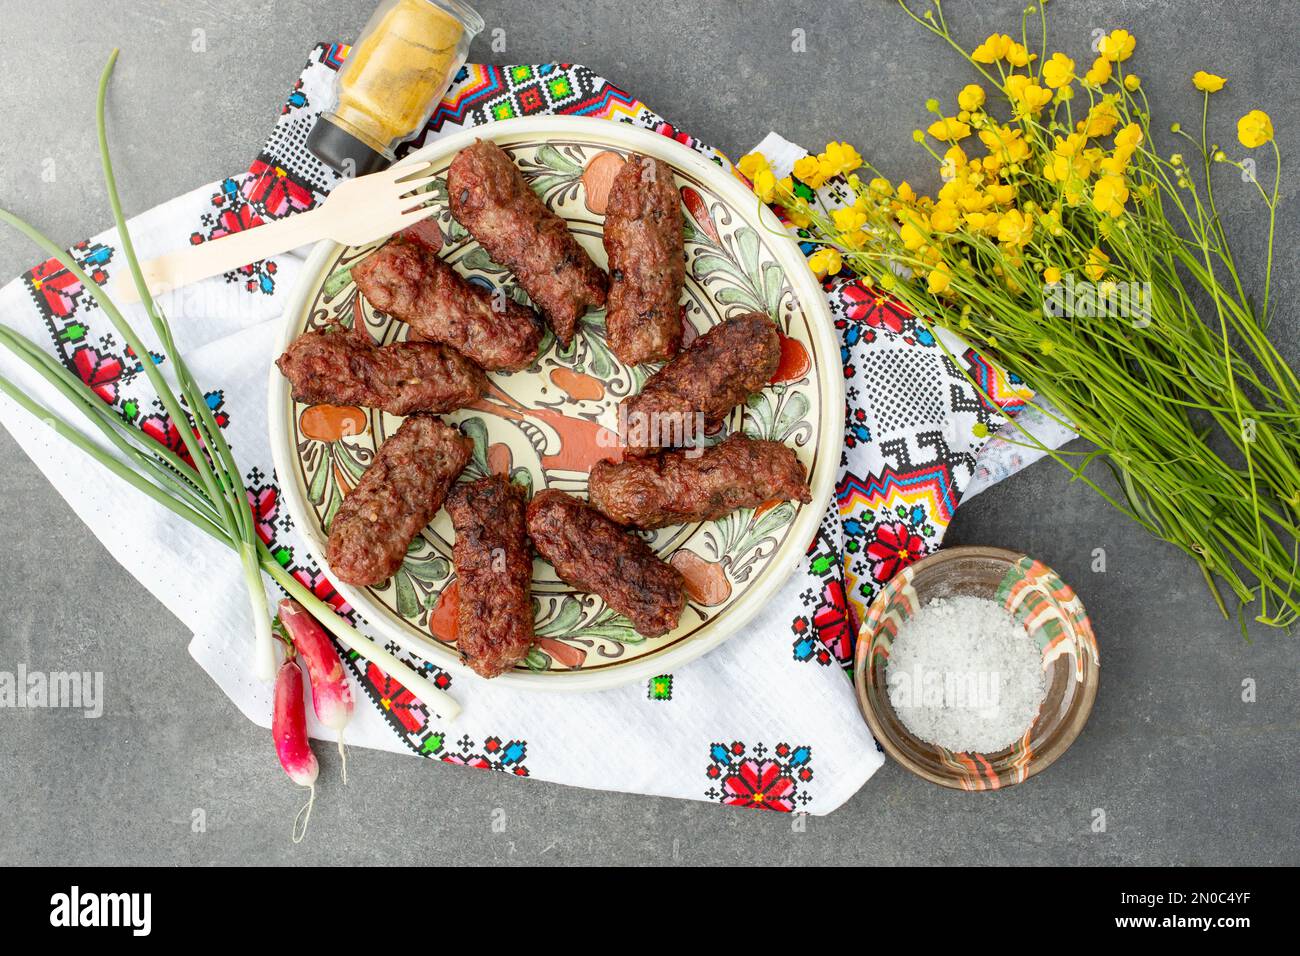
1056	622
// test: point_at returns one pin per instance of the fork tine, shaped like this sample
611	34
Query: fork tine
414	186
405	173
416	214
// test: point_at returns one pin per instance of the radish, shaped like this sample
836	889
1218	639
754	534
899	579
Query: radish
331	694
289	728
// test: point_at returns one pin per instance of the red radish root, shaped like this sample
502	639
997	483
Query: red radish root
331	694
289	728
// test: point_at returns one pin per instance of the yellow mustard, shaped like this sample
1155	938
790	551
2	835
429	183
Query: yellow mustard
392	80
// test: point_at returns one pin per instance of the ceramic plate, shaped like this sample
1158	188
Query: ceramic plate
543	426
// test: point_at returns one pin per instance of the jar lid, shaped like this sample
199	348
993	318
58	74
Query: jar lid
341	151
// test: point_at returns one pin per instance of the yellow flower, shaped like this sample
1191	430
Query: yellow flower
810	171
944	217
825	262
1132	82
1208	82
764	185
985	222
949	130
971	97
1051	275
1129	138
1015	228
905	191
970	199
940	279
799	215
912	236
1255	129
1002	193
751	163
1102	119
841	158
996	47
1115	164
849	218
1025	94
1017	55
1109	195
1099	73
853	240
1118	45
1006	144
1058	71
796	209
1096	267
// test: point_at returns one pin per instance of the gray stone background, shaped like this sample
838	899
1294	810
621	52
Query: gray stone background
1186	772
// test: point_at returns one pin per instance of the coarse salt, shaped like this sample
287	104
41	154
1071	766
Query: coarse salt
964	674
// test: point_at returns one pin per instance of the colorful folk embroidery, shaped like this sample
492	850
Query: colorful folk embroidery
760	778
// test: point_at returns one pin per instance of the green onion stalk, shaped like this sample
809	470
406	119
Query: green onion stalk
206	490
1164	364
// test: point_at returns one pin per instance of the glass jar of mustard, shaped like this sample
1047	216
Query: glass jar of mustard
397	72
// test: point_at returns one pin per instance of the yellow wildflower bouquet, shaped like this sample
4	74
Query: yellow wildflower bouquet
1064	246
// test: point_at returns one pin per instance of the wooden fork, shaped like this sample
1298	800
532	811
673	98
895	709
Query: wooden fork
358	211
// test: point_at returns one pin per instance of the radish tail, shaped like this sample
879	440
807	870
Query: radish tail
303	817
343	753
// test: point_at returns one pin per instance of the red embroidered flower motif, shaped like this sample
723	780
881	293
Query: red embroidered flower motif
888	314
99	371
265	503
671	131
759	785
276	190
321	587
473	760
895	547
761	778
399	702
164	431
862	304
235	220
831	621
60	291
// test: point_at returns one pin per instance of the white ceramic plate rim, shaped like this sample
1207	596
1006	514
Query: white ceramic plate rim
811	299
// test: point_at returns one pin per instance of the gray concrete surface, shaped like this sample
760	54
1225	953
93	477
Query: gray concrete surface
1185	771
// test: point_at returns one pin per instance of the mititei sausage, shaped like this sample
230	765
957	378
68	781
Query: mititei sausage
677	487
494	571
718	371
398	495
342	368
490	198
409	281
593	554
647	262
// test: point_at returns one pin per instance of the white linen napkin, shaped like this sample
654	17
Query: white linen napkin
768	720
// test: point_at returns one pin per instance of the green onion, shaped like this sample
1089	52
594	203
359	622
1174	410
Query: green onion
209	494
